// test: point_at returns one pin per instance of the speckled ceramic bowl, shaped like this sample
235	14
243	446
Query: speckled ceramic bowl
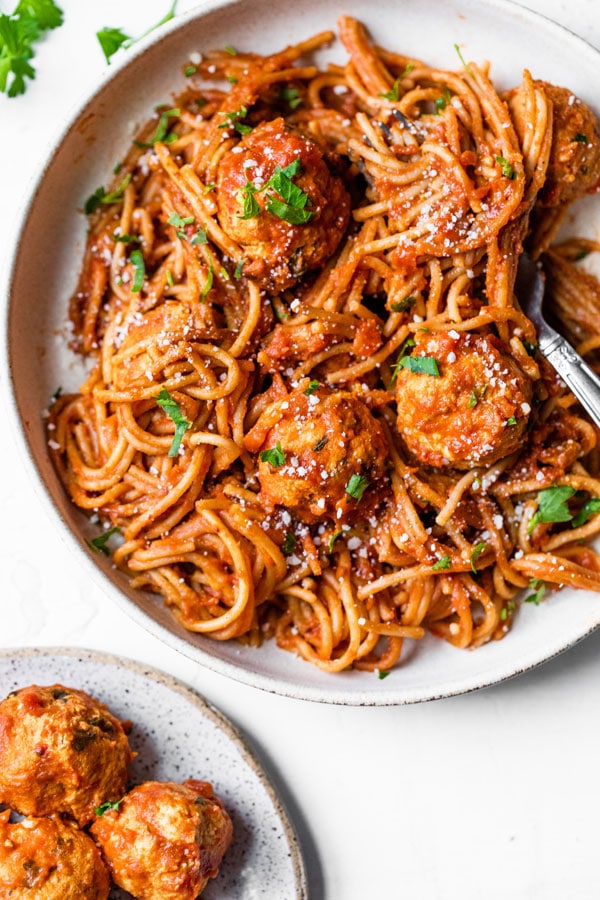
177	735
47	258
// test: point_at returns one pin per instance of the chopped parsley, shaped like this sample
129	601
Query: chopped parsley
462	59
292	202
19	31
507	610
99	543
442	102
105	807
171	407
589	509
209	283
552	505
170	281
126	238
229	49
100	196
250	203
189	71
160	135
313	386
274	456
420	365
444	562
383	673
511	420
408	343
403	305
539	589
233	120
333	539
238	269
477	551
580	138
394	94
112	39
199	238
357	486
507	169
291	96
139	271
179	221
289	545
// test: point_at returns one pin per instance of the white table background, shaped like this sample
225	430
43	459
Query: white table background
487	796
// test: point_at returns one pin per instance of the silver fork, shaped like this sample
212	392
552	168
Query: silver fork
577	375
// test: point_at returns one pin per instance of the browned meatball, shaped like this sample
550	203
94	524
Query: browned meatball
574	164
60	752
165	840
474	412
319	453
48	859
283	232
153	341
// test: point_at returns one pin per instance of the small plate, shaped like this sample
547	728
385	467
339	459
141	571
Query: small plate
177	735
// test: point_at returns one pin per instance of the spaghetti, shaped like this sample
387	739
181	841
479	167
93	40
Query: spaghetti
316	411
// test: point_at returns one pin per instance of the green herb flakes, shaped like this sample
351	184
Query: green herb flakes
274	456
100	543
357	486
171	407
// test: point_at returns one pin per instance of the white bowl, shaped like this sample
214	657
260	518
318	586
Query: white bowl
46	261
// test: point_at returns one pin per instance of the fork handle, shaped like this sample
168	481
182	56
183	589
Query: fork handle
576	373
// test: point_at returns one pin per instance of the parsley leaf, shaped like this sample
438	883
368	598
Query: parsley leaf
357	486
589	509
110	804
18	33
394	95
274	456
289	544
101	196
477	551
291	96
171	407
444	562
552	505
208	284
161	135
139	271
539	589
99	543
383	673
580	138
420	365
238	269
313	385
233	119
251	204
112	39
507	169
291	207
333	539
176	220
403	305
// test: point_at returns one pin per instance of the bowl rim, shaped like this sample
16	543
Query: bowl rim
296	689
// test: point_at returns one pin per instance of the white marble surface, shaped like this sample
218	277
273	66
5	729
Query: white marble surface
490	795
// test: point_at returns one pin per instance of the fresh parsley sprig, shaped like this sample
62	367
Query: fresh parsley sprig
552	505
112	39
19	31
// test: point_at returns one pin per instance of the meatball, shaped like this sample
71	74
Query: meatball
48	859
473	412
278	198
165	840
153	341
319	452
574	164
60	752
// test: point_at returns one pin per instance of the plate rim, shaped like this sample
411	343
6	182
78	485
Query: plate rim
207	709
288	685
